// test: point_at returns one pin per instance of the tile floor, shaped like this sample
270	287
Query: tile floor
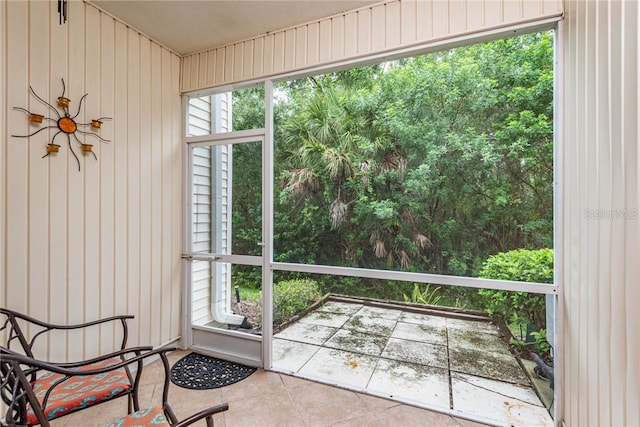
267	399
422	359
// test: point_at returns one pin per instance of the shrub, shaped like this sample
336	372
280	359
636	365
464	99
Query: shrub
293	296
428	296
518	308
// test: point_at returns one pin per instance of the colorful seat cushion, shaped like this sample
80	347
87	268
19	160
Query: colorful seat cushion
79	392
143	417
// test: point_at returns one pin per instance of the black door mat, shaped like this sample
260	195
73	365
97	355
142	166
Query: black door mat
199	372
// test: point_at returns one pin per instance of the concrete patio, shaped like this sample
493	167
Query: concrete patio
434	361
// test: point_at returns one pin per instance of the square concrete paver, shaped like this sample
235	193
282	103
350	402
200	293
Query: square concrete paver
513	404
472	339
357	342
380	313
340	307
500	366
290	356
421	358
420	332
306	333
340	367
370	325
416	352
418	383
323	318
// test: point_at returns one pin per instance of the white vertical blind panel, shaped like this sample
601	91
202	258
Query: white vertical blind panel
376	29
80	245
602	217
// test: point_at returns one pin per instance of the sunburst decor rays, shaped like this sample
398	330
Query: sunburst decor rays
65	123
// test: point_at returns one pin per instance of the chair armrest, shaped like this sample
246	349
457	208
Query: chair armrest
205	413
16	332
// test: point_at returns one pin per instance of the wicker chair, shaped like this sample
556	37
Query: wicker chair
25	408
112	383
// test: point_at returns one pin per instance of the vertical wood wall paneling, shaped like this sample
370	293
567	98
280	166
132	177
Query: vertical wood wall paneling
91	243
17	149
313	43
440	18
133	176
301	46
106	288
393	24
38	206
75	259
602	231
409	21
378	27
145	321
631	104
121	142
337	37
290	49
59	168
176	119
4	136
155	296
351	35
367	31
91	172
238	59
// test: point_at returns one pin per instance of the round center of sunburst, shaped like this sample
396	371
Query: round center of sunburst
67	125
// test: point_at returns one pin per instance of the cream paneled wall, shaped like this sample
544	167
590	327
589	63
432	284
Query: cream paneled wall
601	221
79	245
382	28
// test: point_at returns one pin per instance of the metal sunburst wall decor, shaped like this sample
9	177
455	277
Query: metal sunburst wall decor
65	123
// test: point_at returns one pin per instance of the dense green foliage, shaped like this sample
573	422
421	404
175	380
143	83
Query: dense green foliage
292	296
427	164
518	308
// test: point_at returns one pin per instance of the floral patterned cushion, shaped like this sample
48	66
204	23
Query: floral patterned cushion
142	418
79	392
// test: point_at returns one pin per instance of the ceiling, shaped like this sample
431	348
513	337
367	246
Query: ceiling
188	26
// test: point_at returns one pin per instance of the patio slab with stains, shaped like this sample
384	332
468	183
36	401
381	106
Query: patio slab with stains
430	359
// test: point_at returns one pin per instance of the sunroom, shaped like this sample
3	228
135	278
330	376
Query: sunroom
145	213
